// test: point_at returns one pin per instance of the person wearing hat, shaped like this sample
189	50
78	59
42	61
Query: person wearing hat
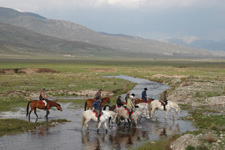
97	107
163	98
130	104
119	102
127	96
99	95
43	98
144	94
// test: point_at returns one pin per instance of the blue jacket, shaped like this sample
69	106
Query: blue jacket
143	94
96	105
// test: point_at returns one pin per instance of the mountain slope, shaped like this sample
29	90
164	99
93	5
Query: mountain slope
198	43
74	32
20	41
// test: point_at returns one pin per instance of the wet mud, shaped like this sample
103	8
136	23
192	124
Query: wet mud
69	136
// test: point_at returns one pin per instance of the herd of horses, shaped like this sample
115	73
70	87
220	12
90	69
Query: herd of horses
111	114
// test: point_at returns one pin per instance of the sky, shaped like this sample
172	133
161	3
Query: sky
154	19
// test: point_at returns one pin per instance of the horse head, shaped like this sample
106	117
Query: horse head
108	100
59	107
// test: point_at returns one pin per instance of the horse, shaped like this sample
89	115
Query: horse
110	108
157	105
139	100
144	107
34	104
90	115
124	112
89	102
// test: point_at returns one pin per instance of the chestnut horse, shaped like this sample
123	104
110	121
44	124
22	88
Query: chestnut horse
89	102
138	100
34	104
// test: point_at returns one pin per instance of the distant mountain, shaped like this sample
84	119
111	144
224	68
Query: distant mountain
74	32
197	43
15	40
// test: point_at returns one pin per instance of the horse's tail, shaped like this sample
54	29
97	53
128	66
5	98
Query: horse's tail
85	106
104	108
83	119
28	104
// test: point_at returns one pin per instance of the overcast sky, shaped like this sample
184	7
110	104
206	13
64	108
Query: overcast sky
155	19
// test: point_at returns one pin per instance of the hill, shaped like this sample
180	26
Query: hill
15	40
198	43
70	31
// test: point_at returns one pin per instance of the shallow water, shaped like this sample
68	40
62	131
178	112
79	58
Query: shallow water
69	136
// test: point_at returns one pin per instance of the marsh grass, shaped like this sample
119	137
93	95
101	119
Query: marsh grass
162	144
12	126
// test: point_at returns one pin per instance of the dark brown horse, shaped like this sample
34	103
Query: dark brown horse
34	104
89	102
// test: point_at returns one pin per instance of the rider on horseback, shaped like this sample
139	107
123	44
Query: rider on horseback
163	99
119	102
144	95
130	104
127	96
43	98
99	95
97	107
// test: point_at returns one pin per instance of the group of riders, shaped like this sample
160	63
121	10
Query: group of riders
129	100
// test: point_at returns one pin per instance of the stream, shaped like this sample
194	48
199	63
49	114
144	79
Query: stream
68	136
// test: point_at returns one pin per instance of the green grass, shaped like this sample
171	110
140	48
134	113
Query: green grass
12	126
83	74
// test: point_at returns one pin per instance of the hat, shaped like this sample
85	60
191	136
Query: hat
119	96
100	90
43	89
145	89
133	94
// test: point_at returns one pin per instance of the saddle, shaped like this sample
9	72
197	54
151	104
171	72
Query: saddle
96	113
40	101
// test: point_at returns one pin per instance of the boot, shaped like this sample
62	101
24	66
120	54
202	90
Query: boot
45	108
129	115
98	119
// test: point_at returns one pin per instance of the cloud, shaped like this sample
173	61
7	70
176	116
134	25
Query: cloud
36	5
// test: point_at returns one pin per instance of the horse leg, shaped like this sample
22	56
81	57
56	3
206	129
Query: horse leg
35	112
106	128
86	123
99	125
30	113
156	117
47	113
166	113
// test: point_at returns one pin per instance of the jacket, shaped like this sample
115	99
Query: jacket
130	105
96	105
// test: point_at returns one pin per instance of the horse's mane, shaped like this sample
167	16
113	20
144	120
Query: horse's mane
53	102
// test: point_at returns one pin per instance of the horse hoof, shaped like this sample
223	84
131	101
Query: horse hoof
106	131
98	130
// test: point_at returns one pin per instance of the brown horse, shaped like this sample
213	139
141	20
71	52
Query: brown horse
89	102
34	104
138	100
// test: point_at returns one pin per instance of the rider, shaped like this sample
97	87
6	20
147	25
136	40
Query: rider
130	104
144	94
97	107
163	99
43	98
119	102
127	96
99	95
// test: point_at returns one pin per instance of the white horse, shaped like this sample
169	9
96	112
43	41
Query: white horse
122	112
144	107
157	105
90	115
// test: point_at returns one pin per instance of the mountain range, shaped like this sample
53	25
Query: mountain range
197	43
29	33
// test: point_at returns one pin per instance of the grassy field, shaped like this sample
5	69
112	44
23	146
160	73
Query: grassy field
200	79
